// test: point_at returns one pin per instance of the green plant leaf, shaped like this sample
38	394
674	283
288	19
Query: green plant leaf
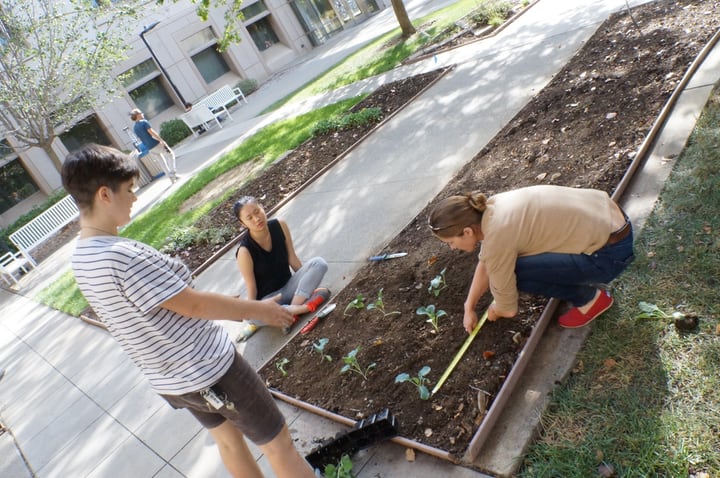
403	377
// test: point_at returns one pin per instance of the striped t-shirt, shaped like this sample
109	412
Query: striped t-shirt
125	282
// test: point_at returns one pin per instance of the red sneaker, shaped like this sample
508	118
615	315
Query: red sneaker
573	318
318	298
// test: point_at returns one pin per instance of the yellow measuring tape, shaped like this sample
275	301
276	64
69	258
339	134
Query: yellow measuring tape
460	353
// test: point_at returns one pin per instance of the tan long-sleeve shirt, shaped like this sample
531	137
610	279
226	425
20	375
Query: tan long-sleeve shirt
540	219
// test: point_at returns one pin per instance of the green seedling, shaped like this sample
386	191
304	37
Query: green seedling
379	305
342	470
319	347
352	364
437	284
681	320
420	381
652	311
357	303
432	314
280	365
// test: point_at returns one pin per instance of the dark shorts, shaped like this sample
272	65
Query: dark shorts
247	404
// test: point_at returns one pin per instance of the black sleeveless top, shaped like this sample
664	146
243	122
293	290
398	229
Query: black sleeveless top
271	269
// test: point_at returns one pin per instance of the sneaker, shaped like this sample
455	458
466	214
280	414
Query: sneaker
247	331
573	318
318	298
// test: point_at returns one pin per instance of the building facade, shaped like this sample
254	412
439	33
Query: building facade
173	59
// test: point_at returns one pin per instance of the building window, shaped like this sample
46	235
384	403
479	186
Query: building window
210	64
202	48
151	97
253	10
85	132
318	19
145	86
263	34
16	183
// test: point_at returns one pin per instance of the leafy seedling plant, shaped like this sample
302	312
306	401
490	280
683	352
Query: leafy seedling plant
357	303
280	365
420	381
682	321
342	470
437	284
379	304
319	347
352	364
432	314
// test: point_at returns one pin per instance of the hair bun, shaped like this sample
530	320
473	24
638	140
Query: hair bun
477	201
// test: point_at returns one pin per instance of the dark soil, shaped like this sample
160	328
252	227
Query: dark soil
582	130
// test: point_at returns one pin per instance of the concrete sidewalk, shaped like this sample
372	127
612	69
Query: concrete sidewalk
75	404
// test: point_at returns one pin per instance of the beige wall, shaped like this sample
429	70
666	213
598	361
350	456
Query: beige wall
178	21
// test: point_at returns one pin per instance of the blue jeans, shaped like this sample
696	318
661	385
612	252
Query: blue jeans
573	277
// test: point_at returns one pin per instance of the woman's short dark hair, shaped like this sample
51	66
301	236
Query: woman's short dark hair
93	166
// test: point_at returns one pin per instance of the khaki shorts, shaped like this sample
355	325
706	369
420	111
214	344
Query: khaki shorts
246	403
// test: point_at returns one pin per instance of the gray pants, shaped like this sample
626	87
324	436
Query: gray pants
303	282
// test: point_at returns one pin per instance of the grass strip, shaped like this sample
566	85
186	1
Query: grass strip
643	398
389	50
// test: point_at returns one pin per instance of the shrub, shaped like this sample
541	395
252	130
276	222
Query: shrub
174	131
350	120
189	236
247	85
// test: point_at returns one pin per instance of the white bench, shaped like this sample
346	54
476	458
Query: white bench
44	226
220	99
200	116
12	263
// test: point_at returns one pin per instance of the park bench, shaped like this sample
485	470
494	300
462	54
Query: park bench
209	111
200	118
219	100
44	226
12	263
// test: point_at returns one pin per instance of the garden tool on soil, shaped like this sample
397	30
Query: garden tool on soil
460	353
324	312
384	257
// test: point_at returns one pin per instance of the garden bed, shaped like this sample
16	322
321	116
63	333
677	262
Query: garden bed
582	130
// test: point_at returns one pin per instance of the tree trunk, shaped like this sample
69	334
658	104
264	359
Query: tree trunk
403	19
47	147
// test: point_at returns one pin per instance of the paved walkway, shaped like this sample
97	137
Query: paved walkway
77	407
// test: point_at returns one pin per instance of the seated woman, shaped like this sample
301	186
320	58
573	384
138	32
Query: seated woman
270	267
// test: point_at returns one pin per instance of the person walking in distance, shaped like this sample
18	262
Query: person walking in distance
151	140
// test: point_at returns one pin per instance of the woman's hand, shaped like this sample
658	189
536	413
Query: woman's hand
470	320
274	314
492	313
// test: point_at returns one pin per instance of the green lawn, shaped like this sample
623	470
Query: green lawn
644	399
389	50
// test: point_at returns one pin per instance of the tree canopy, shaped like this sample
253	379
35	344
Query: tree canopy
56	59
